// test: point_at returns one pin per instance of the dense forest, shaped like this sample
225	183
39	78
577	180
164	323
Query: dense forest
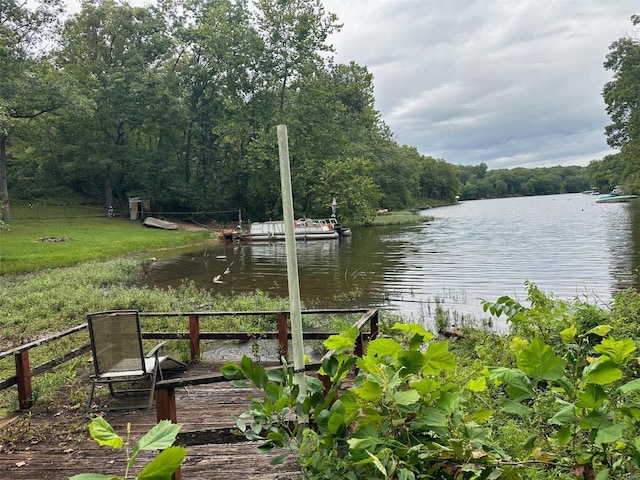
178	103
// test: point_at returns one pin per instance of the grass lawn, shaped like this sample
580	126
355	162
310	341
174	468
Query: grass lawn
22	247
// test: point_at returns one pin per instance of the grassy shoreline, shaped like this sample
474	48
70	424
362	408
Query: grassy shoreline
40	244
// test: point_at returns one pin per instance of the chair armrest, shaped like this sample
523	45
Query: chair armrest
155	350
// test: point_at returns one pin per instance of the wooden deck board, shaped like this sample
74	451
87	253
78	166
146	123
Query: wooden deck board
63	447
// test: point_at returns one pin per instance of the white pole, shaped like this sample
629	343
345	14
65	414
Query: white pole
292	260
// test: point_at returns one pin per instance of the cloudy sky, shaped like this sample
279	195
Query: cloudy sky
505	82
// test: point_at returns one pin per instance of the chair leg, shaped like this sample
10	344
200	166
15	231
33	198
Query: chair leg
154	377
90	402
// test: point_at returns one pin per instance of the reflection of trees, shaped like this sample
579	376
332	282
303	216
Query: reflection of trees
634	245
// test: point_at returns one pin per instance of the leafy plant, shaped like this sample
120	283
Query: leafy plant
398	420
590	420
560	401
160	437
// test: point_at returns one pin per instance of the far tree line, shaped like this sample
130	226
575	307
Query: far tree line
178	103
600	175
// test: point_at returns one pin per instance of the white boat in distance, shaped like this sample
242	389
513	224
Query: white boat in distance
616	196
304	229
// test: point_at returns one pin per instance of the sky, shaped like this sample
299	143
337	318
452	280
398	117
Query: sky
507	83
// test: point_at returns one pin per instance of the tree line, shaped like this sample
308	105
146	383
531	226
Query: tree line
178	103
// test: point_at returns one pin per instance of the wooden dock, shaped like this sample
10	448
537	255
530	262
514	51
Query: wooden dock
53	442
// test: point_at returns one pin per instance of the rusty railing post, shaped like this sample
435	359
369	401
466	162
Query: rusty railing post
166	410
166	405
23	376
194	337
283	335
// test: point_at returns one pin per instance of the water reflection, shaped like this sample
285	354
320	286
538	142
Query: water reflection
566	244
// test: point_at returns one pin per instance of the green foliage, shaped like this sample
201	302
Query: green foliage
159	437
477	182
398	420
144	103
555	399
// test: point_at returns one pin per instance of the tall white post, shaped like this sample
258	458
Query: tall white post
292	260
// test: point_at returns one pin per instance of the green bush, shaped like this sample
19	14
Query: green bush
554	399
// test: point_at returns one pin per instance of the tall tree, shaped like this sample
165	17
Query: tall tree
218	72
117	54
294	33
29	87
622	97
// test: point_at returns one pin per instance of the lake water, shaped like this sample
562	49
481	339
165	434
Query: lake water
566	244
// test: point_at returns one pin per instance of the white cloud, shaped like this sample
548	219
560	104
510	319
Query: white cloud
504	82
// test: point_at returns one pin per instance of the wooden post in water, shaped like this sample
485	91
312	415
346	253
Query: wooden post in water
292	260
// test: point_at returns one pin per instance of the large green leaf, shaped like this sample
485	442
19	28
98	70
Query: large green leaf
246	365
519	388
565	416
231	371
336	423
539	361
477	385
406	397
476	433
438	358
503	374
595	419
161	436
364	438
380	347
412	361
600	330
565	435
591	397
369	391
426	385
164	465
602	372
429	418
568	335
448	401
322	420
340	343
617	350
414	329
272	391
102	432
610	434
516	408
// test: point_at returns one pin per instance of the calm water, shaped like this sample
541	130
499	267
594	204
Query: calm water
566	244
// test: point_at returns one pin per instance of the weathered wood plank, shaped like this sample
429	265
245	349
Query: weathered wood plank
205	411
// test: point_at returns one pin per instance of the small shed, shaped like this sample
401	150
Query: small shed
135	208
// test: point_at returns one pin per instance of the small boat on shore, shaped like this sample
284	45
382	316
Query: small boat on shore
157	223
304	229
616	196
